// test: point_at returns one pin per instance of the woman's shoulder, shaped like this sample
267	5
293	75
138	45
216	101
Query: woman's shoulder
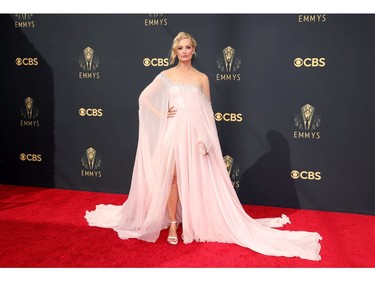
196	77
202	77
172	70
167	72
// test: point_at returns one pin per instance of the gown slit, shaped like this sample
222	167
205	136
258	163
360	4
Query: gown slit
208	207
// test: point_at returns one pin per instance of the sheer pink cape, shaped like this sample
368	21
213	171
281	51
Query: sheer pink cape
209	208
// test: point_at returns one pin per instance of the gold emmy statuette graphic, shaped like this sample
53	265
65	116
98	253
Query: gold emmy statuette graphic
228	54
91	154
88	54
228	63
228	162
307	113
29	107
24	17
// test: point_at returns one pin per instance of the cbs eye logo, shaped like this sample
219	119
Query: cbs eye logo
155	62
91	112
31	157
306	175
27	61
228	117
309	62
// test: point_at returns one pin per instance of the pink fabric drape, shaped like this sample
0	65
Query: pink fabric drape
209	208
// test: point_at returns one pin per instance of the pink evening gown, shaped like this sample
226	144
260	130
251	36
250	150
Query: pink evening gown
209	208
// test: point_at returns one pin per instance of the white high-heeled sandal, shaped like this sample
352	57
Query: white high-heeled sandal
171	239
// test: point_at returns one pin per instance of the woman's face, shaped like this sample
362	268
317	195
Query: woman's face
185	50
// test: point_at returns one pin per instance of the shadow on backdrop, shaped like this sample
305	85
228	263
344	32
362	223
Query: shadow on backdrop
268	181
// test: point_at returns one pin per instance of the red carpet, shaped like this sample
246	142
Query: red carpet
43	227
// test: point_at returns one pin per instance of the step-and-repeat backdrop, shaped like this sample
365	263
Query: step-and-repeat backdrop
293	96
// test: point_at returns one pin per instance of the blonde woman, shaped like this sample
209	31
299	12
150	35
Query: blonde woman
179	175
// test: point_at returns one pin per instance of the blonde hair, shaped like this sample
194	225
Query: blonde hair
176	41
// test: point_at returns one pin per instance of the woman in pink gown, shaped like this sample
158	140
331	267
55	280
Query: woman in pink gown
179	175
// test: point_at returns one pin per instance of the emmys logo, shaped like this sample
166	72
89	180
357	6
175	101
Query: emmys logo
312	18
29	112
156	20
31	157
306	175
307	121
91	163
24	20
233	171
228	117
91	112
27	61
228	63
155	62
309	62
89	62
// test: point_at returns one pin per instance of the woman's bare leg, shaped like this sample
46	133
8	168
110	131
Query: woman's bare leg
172	211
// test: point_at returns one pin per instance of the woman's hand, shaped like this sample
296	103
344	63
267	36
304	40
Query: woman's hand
171	112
